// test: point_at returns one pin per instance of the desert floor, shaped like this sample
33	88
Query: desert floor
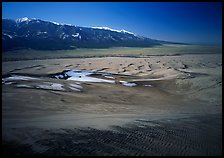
174	107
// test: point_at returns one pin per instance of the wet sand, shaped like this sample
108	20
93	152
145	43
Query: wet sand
174	109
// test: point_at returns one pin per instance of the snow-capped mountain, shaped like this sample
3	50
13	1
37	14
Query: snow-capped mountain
46	35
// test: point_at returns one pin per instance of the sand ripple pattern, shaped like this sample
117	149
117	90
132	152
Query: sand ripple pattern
189	136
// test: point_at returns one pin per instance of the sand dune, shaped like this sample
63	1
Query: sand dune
179	97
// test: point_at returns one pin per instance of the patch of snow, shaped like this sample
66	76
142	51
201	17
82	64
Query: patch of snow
107	28
77	73
8	83
38	33
113	38
76	86
52	86
148	85
75	35
89	79
65	36
83	76
25	19
16	77
7	35
126	32
55	23
23	86
75	89
59	76
68	24
111	77
127	84
62	35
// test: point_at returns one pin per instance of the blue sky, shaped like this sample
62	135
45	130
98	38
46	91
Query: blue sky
191	22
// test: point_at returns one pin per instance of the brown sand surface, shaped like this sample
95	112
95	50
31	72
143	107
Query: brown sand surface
177	113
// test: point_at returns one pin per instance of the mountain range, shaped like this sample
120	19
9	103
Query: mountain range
25	33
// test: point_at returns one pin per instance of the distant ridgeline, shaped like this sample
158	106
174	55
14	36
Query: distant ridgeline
37	34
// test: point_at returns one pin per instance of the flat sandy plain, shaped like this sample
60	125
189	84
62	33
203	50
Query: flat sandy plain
174	107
